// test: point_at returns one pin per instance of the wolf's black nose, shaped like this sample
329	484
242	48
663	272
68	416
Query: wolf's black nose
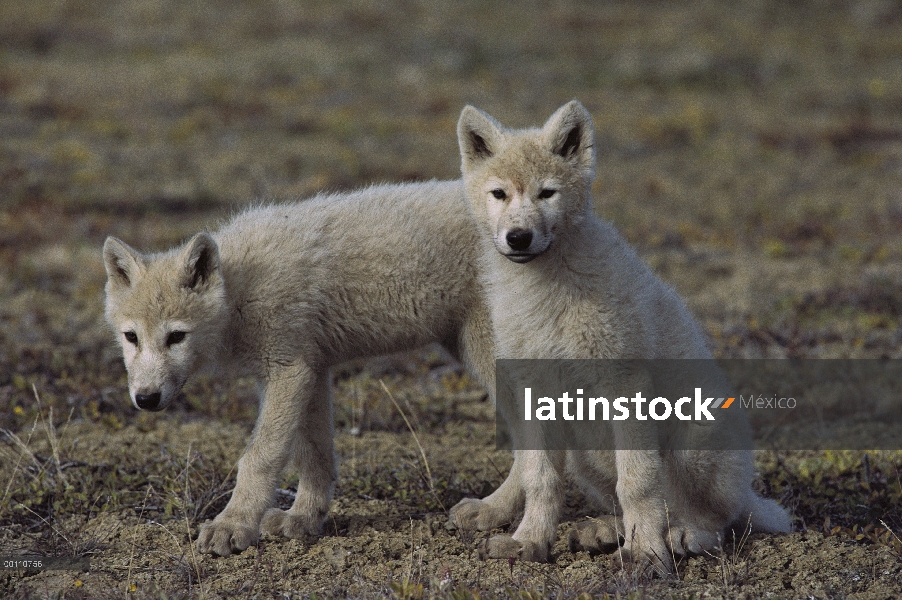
519	239
148	401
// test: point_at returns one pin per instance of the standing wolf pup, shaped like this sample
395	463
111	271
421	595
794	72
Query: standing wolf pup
282	293
561	283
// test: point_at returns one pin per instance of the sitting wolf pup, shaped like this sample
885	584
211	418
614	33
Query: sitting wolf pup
561	283
282	293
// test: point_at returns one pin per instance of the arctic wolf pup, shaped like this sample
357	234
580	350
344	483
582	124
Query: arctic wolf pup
561	283
282	293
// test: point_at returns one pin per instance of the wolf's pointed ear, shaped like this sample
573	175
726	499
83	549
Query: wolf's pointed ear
123	263
570	134
200	261
478	134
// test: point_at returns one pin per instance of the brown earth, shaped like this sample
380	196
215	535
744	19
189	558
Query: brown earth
751	151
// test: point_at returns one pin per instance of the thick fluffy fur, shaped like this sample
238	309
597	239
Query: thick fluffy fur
282	293
561	283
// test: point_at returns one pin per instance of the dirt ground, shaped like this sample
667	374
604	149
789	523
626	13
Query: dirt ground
751	151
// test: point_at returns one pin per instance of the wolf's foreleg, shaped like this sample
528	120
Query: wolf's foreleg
640	493
542	481
286	398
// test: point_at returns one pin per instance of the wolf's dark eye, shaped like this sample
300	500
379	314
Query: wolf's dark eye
499	194
175	337
131	337
546	193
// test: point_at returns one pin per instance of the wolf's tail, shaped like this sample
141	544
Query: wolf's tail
765	515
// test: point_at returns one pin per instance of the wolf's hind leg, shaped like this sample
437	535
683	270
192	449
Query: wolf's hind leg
476	350
497	509
314	458
602	534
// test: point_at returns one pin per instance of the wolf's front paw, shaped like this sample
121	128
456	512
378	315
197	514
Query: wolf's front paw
504	546
602	534
471	513
688	540
277	521
225	536
649	551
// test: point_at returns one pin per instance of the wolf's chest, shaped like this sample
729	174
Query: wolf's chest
547	321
